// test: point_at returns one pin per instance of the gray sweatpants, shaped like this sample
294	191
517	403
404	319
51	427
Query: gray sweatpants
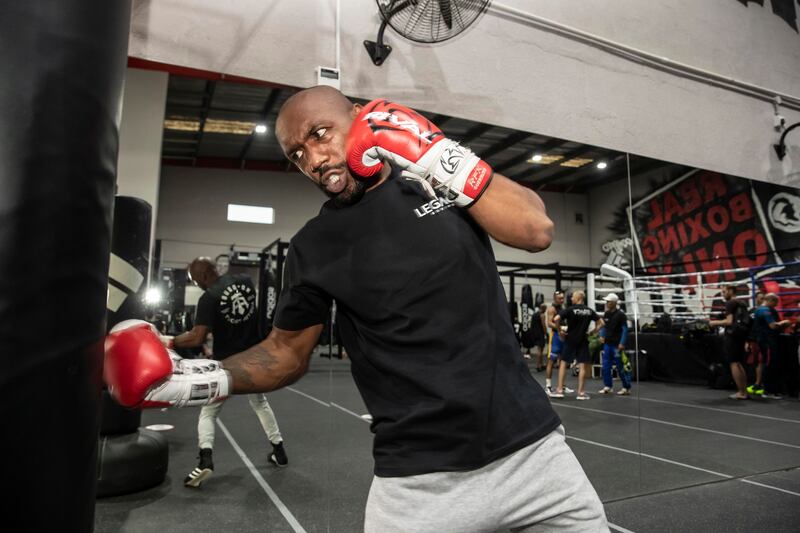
540	488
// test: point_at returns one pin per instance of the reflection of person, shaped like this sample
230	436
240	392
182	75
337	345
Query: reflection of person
753	350
578	318
226	309
424	318
733	340
223	263
613	336
768	326
554	340
541	336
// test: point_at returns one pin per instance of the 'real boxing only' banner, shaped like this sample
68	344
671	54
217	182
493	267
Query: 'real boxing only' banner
705	221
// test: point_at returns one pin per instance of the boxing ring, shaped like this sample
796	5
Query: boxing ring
670	313
694	296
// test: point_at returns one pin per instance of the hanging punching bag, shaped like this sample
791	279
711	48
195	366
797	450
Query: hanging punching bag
526	303
61	71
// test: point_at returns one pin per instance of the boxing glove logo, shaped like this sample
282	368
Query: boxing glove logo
452	158
408	125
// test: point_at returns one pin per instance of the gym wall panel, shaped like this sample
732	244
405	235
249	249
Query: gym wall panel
141	130
192	212
505	72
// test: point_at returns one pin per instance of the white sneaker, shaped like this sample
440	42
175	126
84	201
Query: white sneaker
605	390
567	390
548	391
556	394
583	396
624	392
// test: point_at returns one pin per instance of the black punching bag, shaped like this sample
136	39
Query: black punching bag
61	71
130	458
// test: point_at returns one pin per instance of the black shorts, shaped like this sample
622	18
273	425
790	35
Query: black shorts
733	347
578	352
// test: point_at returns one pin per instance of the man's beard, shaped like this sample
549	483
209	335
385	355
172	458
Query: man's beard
350	195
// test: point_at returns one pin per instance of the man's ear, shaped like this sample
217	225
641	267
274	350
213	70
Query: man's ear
356	110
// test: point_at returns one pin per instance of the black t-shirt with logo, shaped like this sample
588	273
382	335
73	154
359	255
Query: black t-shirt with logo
228	307
578	318
614	321
424	318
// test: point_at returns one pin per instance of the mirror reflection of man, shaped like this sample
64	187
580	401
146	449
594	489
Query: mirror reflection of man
227	309
223	264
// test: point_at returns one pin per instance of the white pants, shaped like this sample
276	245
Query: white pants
208	417
538	489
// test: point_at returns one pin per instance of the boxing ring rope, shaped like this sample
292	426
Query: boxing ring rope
650	296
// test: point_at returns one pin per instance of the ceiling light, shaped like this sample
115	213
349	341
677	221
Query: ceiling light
576	162
601	165
233	127
152	296
544	159
182	124
261	128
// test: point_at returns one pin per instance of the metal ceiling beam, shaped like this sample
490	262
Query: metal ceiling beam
439	120
521	158
208	96
272	99
503	144
473	133
185	109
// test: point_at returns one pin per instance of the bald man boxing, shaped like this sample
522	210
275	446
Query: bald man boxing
227	308
464	439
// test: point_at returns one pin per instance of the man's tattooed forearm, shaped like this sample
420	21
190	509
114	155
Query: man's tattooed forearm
250	367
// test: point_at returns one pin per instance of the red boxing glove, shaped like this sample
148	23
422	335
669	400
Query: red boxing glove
385	132
141	372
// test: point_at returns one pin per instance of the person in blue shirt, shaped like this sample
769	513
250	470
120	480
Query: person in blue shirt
613	336
768	326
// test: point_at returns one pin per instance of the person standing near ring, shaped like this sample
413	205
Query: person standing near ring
613	336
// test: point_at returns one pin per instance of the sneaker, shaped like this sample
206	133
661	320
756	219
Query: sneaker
548	391
203	471
735	396
278	455
556	394
583	396
769	396
755	389
624	392
526	356
605	390
567	390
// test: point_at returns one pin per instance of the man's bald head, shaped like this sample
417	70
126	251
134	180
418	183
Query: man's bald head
312	129
203	271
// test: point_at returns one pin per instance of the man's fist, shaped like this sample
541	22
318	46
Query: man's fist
385	132
141	372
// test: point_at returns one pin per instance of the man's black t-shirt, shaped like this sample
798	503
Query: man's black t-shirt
732	308
578	318
424	319
228	307
614	321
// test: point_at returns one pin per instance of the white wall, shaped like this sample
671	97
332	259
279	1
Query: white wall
192	215
504	72
139	163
